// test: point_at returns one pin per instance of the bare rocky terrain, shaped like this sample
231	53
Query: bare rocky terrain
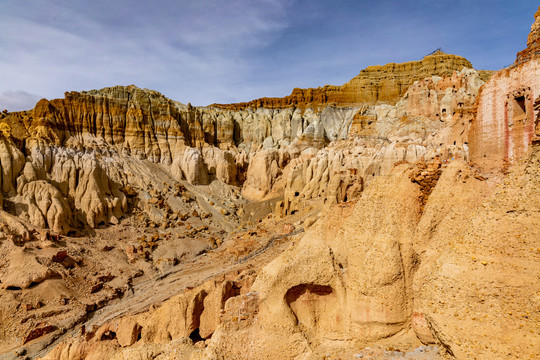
394	217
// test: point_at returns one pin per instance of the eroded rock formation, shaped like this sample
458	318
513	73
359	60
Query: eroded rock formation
341	259
311	226
369	274
374	84
79	144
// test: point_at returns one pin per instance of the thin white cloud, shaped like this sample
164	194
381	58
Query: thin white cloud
173	49
234	50
17	100
238	24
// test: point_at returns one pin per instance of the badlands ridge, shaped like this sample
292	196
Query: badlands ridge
394	217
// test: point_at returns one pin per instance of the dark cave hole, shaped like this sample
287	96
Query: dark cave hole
195	336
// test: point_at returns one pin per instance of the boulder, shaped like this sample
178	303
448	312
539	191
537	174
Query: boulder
127	332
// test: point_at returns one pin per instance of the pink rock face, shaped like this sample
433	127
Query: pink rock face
506	119
508	111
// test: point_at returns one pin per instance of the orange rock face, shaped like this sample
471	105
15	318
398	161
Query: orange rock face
533	42
374	84
141	122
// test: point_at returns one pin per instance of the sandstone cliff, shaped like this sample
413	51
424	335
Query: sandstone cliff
432	119
78	144
374	84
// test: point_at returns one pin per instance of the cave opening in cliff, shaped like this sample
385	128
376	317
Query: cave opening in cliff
198	308
312	305
195	336
13	288
108	335
519	108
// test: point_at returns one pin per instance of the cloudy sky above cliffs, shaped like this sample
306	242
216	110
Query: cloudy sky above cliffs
206	51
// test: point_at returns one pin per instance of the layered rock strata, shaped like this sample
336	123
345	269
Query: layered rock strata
76	146
374	84
432	120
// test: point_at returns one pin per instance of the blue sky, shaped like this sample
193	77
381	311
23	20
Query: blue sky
206	51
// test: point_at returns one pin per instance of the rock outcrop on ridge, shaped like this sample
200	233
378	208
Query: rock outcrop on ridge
533	42
395	216
374	84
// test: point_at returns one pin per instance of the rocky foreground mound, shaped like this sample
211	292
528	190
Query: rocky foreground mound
394	217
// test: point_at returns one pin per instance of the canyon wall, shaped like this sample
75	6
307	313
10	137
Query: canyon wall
381	166
75	147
